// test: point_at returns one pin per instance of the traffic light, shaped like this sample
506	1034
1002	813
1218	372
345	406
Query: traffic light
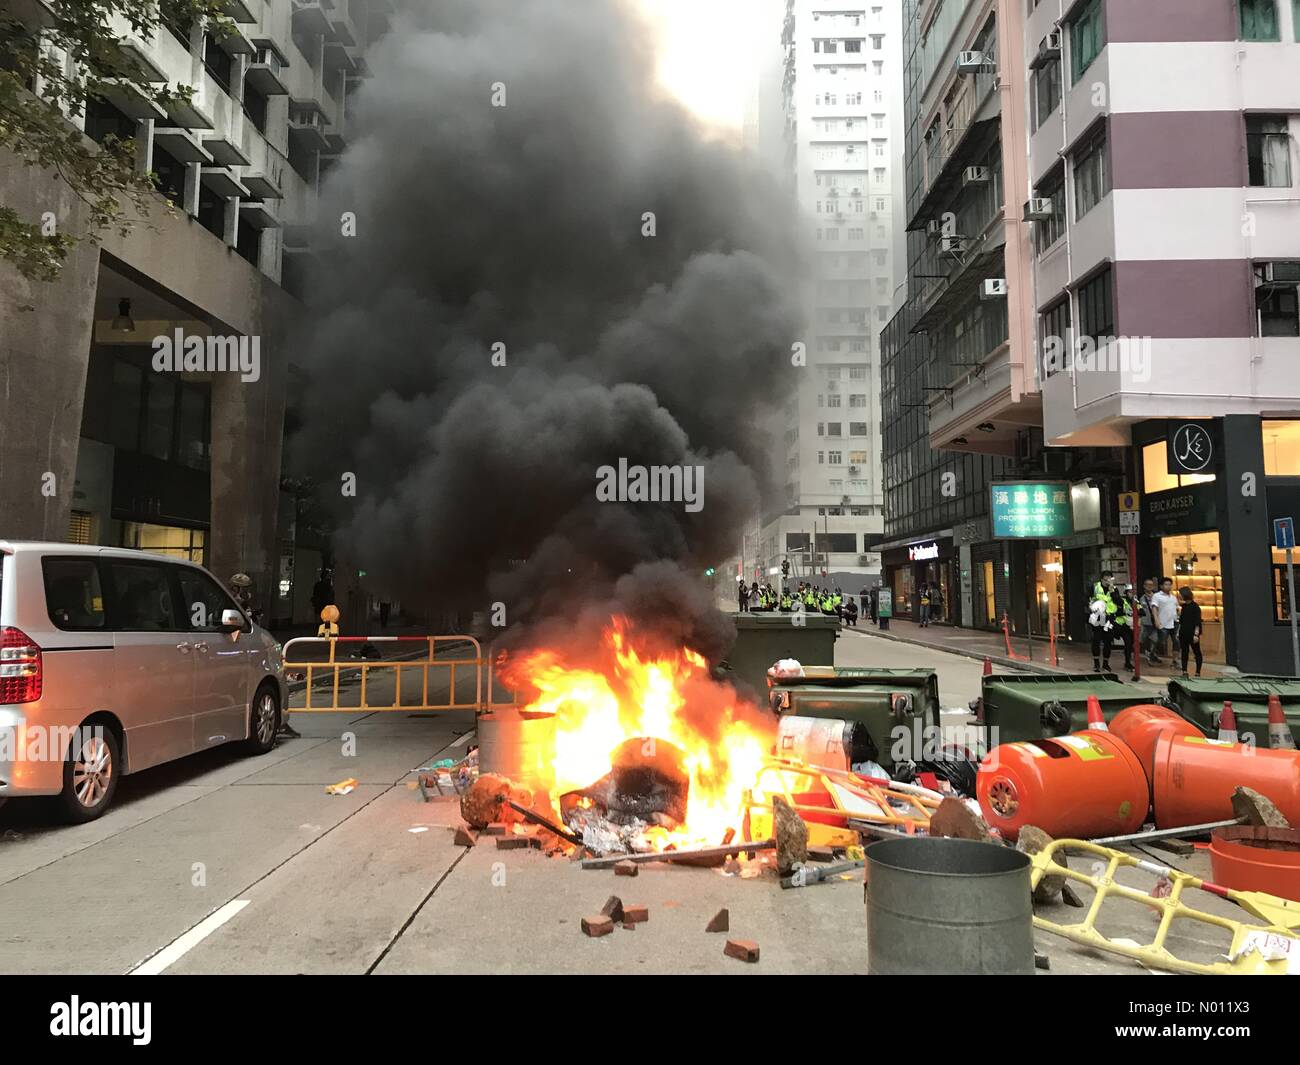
709	572
785	567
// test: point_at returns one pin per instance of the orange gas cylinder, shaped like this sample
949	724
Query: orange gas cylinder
1140	726
1194	778
1077	786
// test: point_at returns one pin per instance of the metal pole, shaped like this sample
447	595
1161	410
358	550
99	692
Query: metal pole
1290	592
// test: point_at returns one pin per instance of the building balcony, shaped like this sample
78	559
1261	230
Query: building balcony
247	12
258	215
222	182
181	146
311	18
308	126
266	72
986	407
955	149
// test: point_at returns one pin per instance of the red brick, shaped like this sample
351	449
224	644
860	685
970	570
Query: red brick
630	925
721	922
613	908
597	926
744	949
466	837
512	843
497	828
626	869
636	914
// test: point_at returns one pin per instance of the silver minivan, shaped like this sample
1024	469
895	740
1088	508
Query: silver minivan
112	661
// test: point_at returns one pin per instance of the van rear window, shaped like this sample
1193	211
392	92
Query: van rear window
73	597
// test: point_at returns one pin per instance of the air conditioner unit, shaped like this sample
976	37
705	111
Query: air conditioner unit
853	469
1279	273
833	385
855	192
975	175
1049	47
972	63
1039	210
875	215
953	244
994	288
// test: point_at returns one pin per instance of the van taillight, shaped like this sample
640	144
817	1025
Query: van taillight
20	667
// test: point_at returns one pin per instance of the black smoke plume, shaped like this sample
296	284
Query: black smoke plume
522	225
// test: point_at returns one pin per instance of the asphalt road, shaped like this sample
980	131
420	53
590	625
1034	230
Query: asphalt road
224	864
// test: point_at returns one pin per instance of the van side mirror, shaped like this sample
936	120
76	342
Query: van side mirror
232	620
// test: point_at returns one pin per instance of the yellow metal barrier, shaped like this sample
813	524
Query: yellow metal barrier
406	674
1242	958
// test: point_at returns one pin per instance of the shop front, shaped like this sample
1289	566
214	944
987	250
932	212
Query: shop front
925	568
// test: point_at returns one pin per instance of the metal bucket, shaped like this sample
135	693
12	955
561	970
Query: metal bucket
518	745
956	906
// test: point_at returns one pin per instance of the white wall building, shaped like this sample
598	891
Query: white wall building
843	110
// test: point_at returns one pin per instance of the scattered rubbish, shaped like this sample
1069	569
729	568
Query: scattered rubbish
1270	946
537	819
744	949
1282	916
597	926
954	818
674	856
791	837
719	922
1042	961
465	837
806	875
343	787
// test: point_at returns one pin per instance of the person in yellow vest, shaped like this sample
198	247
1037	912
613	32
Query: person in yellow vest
1101	621
1123	620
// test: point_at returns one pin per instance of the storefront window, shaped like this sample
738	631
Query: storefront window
1048	593
164	540
1194	562
1281	448
1155	471
1281	597
903	585
989	592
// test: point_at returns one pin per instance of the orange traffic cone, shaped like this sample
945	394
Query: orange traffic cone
1096	719
1279	732
988	666
1227	723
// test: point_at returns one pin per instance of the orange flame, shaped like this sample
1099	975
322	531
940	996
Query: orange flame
663	695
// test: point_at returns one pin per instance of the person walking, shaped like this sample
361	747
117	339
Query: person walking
873	604
1147	622
1189	630
742	596
1165	607
923	603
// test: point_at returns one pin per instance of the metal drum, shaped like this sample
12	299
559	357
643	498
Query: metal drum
518	745
957	906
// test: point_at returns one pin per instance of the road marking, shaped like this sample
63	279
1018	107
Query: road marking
173	952
460	741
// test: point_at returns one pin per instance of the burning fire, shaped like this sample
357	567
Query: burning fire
656	695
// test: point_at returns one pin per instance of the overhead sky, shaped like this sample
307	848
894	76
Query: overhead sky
709	52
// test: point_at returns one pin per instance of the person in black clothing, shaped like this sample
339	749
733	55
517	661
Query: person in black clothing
1189	629
742	596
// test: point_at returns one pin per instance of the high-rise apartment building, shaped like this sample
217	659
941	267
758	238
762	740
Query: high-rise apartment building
843	130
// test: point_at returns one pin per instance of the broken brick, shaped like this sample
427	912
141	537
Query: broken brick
466	837
744	949
630	925
613	908
721	922
626	868
636	914
821	854
597	926
512	843
497	828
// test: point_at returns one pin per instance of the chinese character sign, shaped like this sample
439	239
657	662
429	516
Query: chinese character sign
1031	511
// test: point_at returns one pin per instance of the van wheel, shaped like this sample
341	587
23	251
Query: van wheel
263	721
90	774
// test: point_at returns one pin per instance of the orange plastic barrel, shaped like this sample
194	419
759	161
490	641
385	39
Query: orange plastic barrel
1077	786
1194	778
1140	726
1257	859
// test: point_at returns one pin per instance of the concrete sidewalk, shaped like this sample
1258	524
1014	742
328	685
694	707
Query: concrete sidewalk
1029	656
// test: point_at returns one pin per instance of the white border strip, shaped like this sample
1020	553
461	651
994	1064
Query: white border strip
174	951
